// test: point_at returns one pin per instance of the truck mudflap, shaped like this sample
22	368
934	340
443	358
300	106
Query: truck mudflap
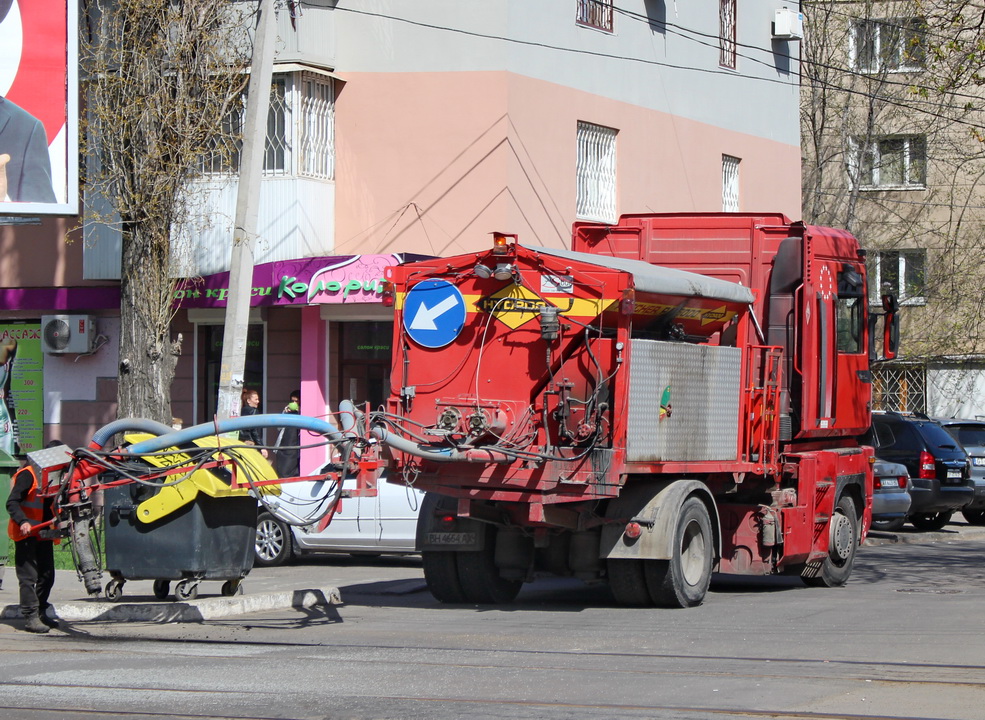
653	506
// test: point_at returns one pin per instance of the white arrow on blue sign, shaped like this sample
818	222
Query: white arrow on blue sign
434	313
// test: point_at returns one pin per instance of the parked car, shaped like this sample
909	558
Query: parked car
385	524
890	495
940	479
971	435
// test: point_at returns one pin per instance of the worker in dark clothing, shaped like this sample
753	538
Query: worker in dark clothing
287	463
33	556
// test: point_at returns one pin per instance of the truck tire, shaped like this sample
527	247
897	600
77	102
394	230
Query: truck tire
931	522
628	582
441	576
683	580
479	577
836	568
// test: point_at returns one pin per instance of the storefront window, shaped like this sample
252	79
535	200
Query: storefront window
212	351
364	362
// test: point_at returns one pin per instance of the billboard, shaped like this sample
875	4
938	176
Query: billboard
21	388
39	148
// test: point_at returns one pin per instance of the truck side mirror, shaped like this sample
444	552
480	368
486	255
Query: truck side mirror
890	327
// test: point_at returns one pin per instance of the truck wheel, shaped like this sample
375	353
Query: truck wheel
479	577
974	517
441	576
683	580
836	568
628	582
931	521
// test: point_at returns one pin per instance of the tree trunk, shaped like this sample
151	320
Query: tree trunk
148	356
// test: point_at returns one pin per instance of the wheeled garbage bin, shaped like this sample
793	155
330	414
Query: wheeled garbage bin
198	529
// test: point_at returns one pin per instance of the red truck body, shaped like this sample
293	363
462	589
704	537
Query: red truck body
676	395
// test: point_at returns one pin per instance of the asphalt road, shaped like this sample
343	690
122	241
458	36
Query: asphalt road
902	640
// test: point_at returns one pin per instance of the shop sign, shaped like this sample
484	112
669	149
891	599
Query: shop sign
21	388
345	279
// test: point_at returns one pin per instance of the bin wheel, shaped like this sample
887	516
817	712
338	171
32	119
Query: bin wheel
114	590
232	587
161	588
186	590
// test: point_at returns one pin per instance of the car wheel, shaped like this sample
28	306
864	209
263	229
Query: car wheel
274	544
931	521
974	517
889	525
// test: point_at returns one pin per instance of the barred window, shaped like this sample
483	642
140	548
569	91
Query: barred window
300	130
595	13
893	45
727	33
596	173
730	183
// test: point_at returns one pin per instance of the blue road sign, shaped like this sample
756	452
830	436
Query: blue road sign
434	313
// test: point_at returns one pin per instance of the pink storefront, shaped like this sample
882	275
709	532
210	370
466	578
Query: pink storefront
316	324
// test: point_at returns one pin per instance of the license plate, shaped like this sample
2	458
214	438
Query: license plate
890	483
953	474
979	461
451	538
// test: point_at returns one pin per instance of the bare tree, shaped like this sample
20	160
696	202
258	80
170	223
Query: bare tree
159	77
891	119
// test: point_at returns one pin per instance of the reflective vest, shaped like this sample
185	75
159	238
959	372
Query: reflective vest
32	506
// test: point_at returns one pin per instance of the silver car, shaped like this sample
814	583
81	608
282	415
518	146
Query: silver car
385	524
971	435
890	495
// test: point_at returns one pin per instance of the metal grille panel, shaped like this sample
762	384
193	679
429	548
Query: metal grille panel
730	183
704	388
899	386
596	173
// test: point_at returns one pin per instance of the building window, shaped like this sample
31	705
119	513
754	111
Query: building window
726	34
901	272
730	183
891	45
596	173
596	14
300	131
893	162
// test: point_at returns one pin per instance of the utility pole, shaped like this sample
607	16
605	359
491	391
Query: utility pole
237	320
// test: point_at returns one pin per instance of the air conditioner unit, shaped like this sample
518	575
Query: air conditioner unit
63	334
788	25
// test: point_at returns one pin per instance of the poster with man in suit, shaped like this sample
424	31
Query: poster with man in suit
38	108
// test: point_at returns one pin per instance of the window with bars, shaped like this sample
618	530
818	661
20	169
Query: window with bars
892	162
730	183
901	387
300	131
596	173
903	273
595	13
727	34
893	45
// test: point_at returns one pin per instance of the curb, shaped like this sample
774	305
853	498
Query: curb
187	612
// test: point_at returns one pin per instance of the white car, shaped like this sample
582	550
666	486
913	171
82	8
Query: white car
385	524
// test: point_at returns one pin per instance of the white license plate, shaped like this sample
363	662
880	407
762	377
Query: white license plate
953	474
451	538
890	482
978	461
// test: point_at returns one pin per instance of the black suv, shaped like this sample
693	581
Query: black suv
940	479
971	435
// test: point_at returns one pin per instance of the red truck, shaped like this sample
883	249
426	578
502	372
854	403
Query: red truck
675	396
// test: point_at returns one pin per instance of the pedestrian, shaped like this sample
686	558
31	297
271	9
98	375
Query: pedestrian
34	556
250	401
287	463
